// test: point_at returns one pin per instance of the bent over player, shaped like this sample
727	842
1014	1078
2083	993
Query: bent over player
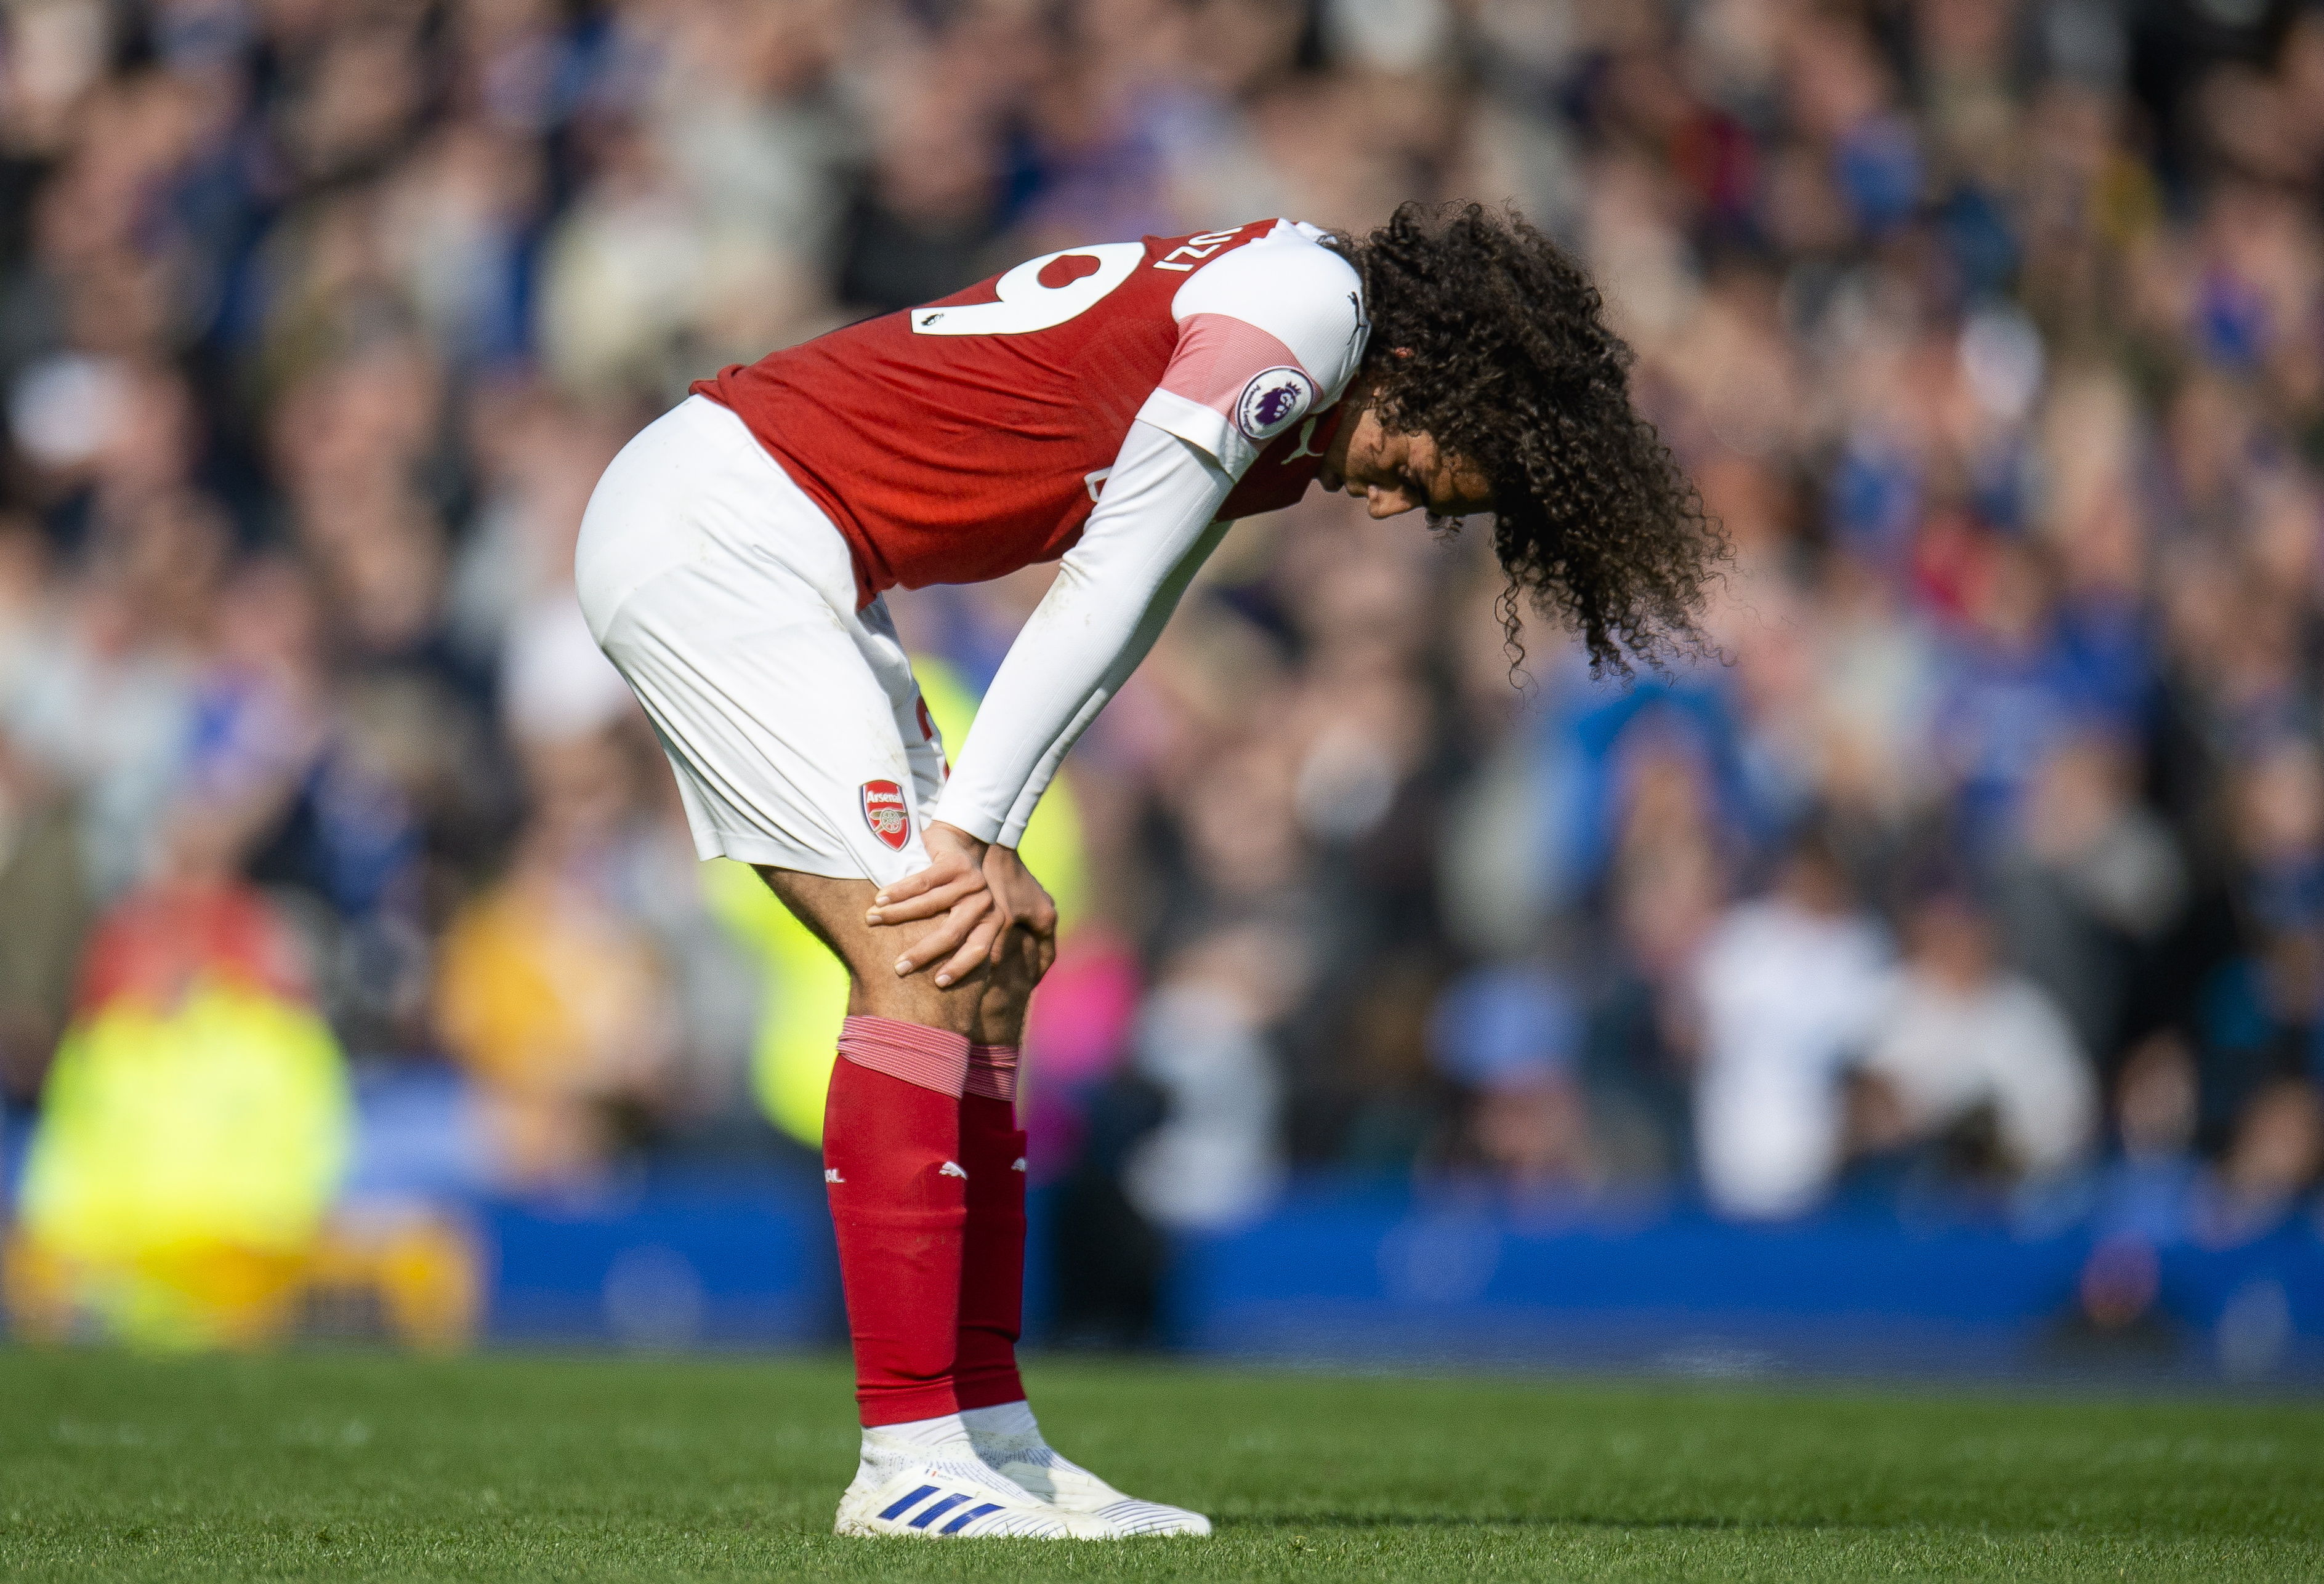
1116	407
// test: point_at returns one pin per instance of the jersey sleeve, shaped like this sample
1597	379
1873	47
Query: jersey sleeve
1154	526
1267	334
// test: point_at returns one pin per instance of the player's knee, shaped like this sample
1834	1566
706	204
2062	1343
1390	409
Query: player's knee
917	999
1000	1012
1008	1008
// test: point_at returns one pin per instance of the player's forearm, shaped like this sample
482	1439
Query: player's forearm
1150	628
1045	691
1112	594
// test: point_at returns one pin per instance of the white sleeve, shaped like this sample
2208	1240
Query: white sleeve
1152	530
1266	335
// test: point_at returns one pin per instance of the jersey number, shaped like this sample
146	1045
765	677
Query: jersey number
1027	305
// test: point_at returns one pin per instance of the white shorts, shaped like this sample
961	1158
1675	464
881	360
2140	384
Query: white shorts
728	599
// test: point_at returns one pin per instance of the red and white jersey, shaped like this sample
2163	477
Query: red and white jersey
962	440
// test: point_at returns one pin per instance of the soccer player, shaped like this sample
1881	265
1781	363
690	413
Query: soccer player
1114	408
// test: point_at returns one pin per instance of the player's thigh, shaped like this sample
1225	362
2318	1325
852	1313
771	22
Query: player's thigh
727	602
783	739
874	632
833	910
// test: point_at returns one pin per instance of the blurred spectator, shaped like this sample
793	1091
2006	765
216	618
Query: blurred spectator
195	1125
2145	1193
1790	988
2097	882
931	209
1961	1040
1513	1039
2272	1162
1214	1160
44	887
550	995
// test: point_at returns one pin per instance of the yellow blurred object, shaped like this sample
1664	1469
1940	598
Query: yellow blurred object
806	987
416	1281
190	1296
184	1160
803	996
551	1003
224	1118
421	1273
538	994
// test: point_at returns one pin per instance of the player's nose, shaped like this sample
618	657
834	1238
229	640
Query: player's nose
1379	503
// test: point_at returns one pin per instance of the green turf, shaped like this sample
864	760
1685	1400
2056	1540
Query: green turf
358	1467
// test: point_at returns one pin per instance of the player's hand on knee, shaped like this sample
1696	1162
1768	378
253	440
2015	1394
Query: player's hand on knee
955	871
952	891
1024	904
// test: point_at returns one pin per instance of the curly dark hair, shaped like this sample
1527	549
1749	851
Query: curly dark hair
1487	337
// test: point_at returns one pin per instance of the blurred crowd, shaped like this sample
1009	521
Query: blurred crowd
1983	866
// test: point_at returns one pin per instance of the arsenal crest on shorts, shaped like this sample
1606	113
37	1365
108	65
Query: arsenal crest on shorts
887	812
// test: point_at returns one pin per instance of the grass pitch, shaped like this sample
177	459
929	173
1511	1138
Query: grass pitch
354	1467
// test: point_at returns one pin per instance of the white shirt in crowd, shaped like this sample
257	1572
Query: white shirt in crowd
1947	1051
1788	998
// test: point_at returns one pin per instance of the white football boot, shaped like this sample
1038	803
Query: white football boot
1021	1457
942	1492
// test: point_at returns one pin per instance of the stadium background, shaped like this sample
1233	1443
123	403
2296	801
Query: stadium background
1939	982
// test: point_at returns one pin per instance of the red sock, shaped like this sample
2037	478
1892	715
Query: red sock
898	1183
993	1264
